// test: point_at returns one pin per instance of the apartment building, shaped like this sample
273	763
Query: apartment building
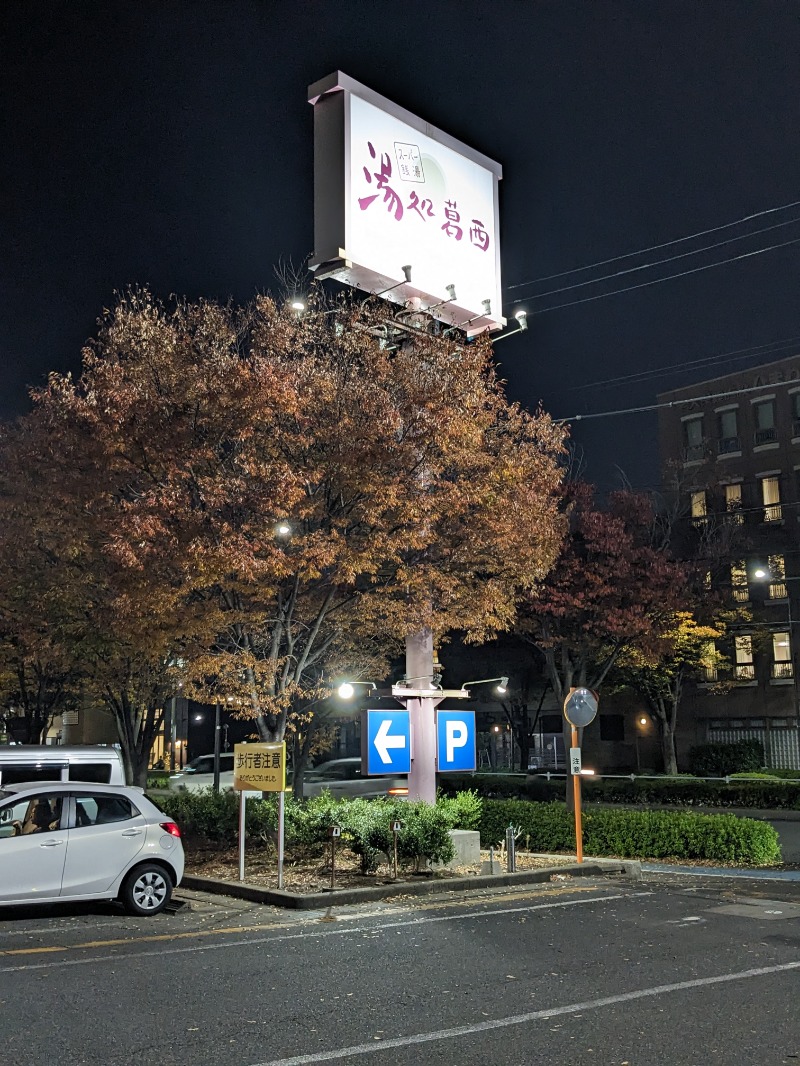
730	451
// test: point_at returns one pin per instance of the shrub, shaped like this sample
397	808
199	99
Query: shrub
215	815
718	760
366	827
783	774
463	811
425	834
492	786
635	834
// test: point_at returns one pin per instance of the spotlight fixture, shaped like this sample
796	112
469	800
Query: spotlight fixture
502	687
522	320
434	680
407	281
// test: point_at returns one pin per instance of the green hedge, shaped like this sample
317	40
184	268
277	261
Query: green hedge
765	793
718	760
365	824
550	827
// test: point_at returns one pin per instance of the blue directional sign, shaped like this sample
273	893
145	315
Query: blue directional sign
388	742
455	740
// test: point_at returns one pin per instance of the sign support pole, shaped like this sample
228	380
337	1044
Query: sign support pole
281	796
576	792
242	809
580	708
419	664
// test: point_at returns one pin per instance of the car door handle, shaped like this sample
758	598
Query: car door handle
132	833
50	843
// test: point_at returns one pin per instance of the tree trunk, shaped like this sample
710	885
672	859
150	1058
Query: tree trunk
668	748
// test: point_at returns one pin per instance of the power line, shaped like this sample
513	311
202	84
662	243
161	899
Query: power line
658	281
706	361
659	262
655	247
671	403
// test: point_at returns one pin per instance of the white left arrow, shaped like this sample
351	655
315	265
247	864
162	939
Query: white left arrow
383	741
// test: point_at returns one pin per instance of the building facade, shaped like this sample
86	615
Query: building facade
730	449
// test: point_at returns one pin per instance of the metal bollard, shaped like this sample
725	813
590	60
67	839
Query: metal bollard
334	833
511	850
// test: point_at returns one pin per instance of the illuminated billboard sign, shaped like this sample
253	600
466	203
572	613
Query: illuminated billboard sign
392	192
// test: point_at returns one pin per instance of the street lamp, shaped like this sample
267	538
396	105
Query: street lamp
346	690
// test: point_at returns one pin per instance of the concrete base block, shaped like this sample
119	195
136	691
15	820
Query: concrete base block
492	867
467	845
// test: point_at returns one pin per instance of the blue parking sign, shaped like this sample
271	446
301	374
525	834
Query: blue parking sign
455	741
388	742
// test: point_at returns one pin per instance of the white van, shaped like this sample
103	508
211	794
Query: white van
100	764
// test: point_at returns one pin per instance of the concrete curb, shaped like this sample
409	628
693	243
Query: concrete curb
344	896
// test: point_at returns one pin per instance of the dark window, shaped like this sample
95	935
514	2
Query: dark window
97	772
612	727
100	810
551	723
13	773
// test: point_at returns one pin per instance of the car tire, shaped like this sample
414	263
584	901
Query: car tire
146	890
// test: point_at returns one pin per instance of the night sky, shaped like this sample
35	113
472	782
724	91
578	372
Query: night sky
170	144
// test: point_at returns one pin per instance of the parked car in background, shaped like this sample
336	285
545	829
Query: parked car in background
343	777
66	841
31	762
199	773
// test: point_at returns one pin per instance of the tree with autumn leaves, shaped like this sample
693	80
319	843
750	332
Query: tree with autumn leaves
237	496
618	609
658	671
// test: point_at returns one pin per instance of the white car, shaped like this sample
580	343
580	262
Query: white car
199	773
61	841
344	777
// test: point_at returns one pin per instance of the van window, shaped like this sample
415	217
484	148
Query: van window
13	773
97	772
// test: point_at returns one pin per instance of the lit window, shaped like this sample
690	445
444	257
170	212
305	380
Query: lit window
733	502
743	667
698	507
771	498
781	656
739	581
708	663
777	577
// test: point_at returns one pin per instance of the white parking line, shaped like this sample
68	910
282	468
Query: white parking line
522	1019
313	932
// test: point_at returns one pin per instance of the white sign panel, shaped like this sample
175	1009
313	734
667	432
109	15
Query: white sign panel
411	196
574	760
